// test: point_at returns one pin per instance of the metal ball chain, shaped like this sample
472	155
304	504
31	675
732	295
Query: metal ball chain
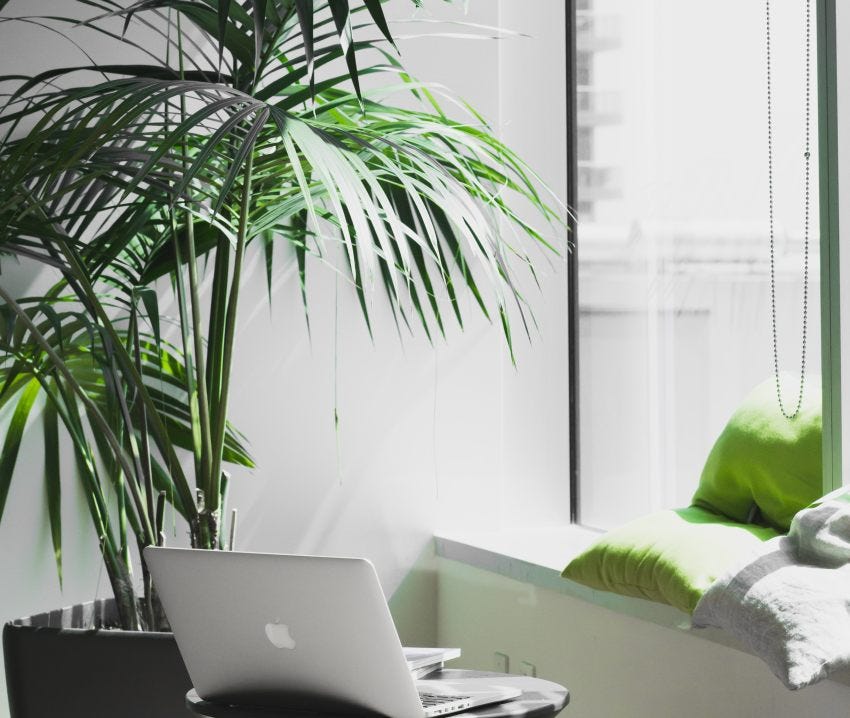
807	205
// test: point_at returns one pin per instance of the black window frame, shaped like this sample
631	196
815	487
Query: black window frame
572	255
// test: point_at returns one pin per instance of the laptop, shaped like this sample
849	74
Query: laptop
302	632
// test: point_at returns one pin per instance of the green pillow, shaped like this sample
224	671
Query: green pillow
670	556
763	460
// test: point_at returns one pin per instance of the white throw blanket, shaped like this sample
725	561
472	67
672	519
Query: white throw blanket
789	601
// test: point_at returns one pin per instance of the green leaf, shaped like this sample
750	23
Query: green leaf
259	7
342	19
135	71
377	13
223	18
151	304
299	223
207	17
14	434
201	159
267	243
305	20
53	481
506	328
245	149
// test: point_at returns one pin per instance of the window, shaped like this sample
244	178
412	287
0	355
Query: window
673	264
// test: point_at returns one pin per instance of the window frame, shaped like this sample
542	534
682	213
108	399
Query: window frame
830	287
572	258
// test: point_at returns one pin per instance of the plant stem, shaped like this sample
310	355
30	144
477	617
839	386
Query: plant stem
213	495
218	308
187	347
200	367
125	596
195	301
145	455
197	443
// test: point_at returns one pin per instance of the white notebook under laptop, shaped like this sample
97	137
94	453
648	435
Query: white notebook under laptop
424	661
305	632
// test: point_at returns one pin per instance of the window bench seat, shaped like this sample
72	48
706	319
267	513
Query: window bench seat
536	556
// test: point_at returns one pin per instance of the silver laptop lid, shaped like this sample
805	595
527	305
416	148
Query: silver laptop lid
302	631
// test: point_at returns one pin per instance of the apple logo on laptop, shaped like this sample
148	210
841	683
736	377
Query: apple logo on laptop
279	636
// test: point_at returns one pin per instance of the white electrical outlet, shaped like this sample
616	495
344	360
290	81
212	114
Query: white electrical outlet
501	662
528	669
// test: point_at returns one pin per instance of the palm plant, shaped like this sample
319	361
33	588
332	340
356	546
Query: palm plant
133	181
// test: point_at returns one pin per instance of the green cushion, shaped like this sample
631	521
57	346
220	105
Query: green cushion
670	556
764	460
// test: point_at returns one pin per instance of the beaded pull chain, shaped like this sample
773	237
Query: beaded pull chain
807	207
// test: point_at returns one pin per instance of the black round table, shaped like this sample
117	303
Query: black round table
539	699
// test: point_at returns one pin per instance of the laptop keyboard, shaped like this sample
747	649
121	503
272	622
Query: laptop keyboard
436	699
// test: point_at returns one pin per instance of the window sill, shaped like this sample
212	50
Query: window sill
537	557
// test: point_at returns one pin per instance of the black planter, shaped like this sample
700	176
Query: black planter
60	664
